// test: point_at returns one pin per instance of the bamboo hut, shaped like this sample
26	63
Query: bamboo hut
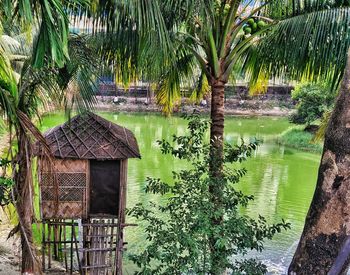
83	193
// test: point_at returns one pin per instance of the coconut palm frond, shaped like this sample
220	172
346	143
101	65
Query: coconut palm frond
260	85
123	30
168	92
8	87
176	12
50	18
9	44
119	52
16	50
77	79
53	35
202	89
283	9
311	45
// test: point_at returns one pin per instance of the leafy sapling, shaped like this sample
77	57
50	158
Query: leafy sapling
179	231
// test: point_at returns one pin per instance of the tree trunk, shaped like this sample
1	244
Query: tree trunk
217	255
217	116
24	202
328	221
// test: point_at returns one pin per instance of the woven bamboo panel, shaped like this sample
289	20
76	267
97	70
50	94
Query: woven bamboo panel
68	165
64	179
64	189
65	210
64	194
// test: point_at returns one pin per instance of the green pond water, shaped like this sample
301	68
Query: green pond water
281	179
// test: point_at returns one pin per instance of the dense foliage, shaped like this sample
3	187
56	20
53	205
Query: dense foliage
313	100
179	230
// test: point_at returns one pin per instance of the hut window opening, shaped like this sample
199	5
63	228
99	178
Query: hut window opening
71	186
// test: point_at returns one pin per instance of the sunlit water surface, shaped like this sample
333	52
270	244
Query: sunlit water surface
282	180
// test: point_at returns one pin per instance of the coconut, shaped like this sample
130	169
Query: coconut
247	30
254	27
261	24
251	21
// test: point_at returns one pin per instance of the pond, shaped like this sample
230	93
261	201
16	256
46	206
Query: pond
282	180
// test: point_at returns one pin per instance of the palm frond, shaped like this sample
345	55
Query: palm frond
201	90
49	17
77	79
8	88
124	30
9	44
168	92
311	45
53	35
283	9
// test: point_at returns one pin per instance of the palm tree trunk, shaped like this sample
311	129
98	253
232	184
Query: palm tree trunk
217	115
24	204
327	223
217	255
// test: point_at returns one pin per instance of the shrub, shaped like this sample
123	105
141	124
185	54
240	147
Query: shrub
313	100
301	140
178	231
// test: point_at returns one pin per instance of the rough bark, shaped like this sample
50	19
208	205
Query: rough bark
24	203
216	142
217	114
327	223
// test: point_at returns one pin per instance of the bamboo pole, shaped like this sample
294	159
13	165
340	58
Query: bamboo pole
43	245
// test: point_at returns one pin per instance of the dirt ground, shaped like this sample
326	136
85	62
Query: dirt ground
9	248
10	251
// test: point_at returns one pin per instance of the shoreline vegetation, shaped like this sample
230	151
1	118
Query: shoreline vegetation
298	138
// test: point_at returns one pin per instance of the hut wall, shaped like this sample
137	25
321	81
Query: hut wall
64	188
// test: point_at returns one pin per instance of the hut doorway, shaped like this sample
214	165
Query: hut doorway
104	187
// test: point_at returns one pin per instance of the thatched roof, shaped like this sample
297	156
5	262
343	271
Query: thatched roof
89	136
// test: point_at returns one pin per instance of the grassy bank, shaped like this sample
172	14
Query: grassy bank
299	139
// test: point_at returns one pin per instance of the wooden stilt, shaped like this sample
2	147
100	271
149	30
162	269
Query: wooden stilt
111	242
43	245
49	245
55	243
71	248
65	247
121	217
60	255
77	250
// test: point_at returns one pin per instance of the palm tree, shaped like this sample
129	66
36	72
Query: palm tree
58	69
311	41
298	39
22	100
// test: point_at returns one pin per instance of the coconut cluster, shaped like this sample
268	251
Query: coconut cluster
253	25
